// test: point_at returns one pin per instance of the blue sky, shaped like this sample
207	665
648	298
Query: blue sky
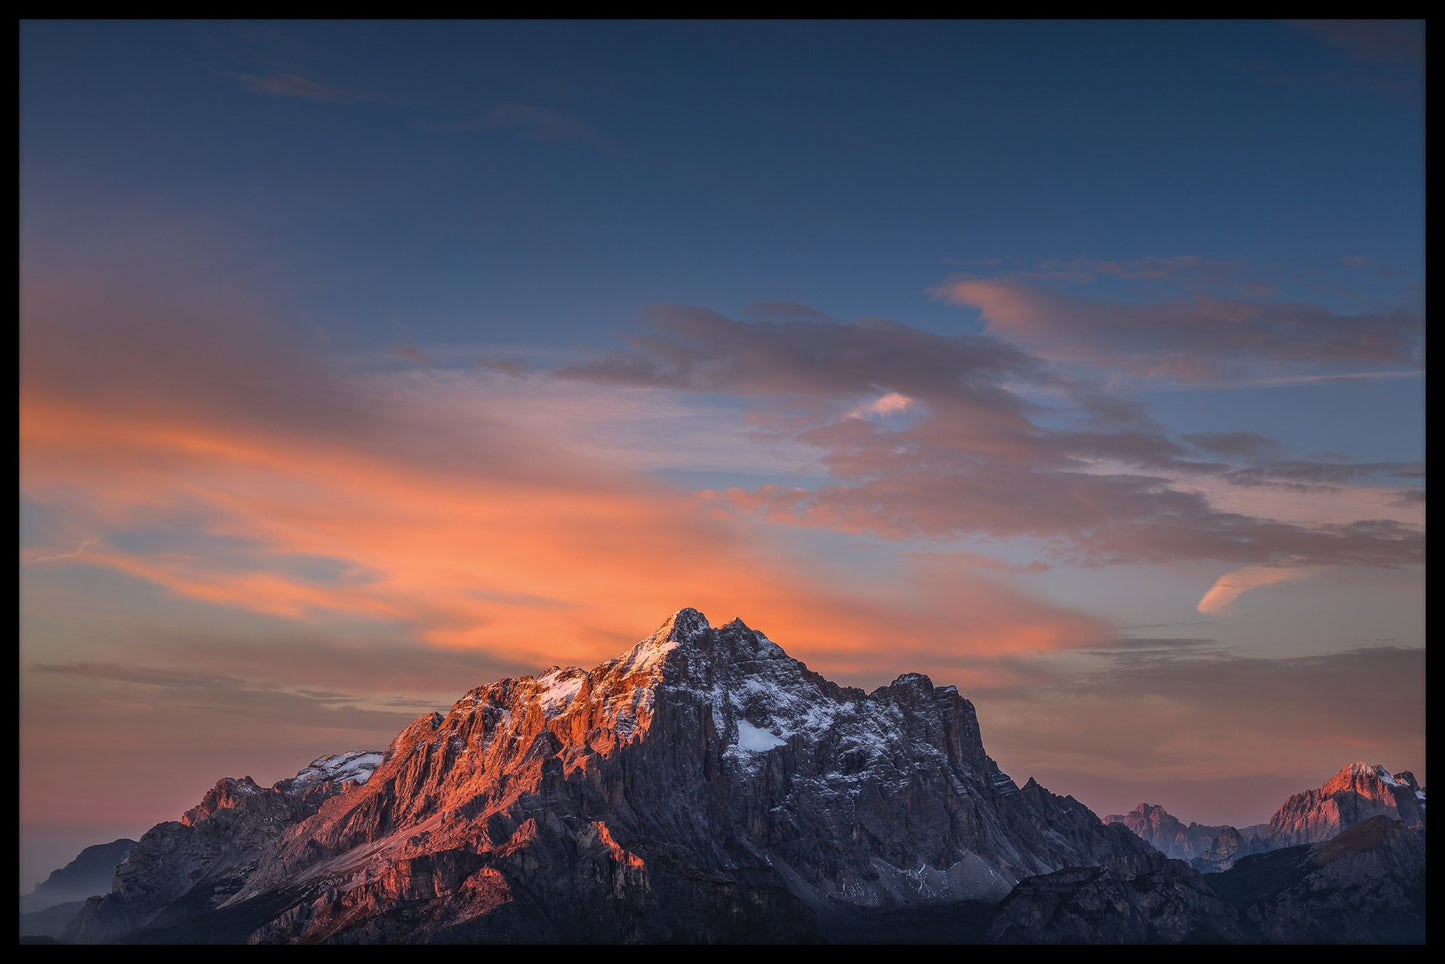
1079	364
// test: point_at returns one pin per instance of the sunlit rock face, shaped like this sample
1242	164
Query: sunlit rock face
1355	794
192	865
703	786
1166	833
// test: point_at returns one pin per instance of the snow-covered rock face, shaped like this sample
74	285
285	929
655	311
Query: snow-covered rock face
700	782
353	767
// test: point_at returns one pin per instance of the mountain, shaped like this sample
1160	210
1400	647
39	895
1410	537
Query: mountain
1147	899
1355	794
47	910
1365	885
87	875
1167	834
188	866
703	787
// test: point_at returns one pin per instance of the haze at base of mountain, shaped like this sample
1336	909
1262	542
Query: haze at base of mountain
87	875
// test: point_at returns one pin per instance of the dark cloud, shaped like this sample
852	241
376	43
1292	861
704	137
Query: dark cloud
1196	338
699	349
1233	443
974	457
1298	471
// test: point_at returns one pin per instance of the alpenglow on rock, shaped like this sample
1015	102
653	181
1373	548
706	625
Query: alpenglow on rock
704	786
1355	794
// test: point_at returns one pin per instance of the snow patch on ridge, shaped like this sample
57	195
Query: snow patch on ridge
557	688
356	766
754	739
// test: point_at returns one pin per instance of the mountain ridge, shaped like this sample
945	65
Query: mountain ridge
703	785
1356	793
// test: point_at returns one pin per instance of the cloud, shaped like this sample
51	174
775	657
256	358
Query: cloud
300	86
1221	597
976	458
1269	727
60	556
1196	339
809	359
226	465
891	403
541	124
1396	43
411	353
1233	443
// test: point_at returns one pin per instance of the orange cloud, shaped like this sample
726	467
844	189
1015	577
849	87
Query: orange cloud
1220	598
395	500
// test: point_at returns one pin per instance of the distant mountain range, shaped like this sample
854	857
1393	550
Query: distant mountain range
705	787
1355	794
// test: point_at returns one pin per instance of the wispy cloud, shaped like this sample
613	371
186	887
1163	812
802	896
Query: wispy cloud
79	551
1196	339
1225	592
302	87
541	124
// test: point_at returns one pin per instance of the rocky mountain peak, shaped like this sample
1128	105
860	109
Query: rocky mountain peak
700	782
1355	794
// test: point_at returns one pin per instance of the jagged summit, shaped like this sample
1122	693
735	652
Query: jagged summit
1355	794
702	786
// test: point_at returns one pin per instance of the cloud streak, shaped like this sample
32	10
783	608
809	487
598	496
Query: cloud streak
301	87
1197	339
541	124
978	459
1221	597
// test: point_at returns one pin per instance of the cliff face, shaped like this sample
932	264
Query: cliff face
1355	794
192	865
1167	834
702	787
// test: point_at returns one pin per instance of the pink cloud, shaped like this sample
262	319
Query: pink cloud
1225	592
